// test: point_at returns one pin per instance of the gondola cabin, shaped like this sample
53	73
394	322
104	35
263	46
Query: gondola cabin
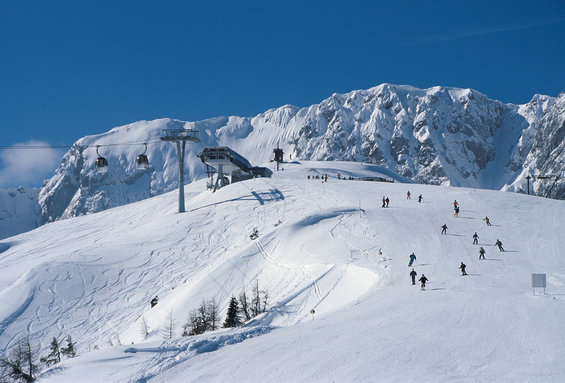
142	162
101	165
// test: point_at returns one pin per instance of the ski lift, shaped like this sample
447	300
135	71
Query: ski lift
101	163
142	162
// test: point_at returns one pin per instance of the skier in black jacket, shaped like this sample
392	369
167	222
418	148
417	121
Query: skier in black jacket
413	276
423	280
462	267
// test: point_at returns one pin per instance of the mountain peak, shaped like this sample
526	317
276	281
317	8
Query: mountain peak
440	136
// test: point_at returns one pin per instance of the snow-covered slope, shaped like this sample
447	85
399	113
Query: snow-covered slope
92	277
440	135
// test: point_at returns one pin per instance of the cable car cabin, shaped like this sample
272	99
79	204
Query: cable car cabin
101	165
142	162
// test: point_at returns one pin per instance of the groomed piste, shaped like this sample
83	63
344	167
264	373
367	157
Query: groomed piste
341	306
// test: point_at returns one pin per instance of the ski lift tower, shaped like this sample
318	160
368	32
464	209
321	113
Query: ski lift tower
180	136
278	156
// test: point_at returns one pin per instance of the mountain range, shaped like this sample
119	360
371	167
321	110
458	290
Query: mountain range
439	136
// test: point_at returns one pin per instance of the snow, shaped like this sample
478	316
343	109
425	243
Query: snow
92	277
19	211
441	136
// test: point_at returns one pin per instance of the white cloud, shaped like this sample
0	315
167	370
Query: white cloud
28	164
453	35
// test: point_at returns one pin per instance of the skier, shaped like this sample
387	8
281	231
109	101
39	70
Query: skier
412	259
475	239
154	301
462	267
444	229
420	198
384	201
487	221
499	244
423	280
387	201
413	276
481	253
456	211
408	195
338	176
455	204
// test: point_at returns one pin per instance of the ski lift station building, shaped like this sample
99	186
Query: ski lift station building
226	162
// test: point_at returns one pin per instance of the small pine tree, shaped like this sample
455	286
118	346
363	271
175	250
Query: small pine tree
70	350
54	356
232	316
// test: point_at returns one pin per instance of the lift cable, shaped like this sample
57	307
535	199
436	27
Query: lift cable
131	143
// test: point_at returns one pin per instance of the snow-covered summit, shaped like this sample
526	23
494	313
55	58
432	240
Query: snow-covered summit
440	136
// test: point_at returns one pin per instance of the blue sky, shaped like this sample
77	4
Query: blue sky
75	68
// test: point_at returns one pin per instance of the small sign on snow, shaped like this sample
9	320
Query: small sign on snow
538	281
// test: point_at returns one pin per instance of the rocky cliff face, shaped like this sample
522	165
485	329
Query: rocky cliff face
547	154
19	211
443	136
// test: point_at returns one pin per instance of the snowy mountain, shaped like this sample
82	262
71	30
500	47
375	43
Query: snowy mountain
439	136
323	246
19	211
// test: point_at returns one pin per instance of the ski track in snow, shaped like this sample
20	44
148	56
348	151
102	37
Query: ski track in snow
318	248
